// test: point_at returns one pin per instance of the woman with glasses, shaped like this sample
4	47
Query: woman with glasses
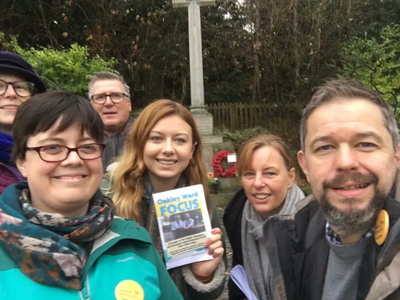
58	235
18	82
163	151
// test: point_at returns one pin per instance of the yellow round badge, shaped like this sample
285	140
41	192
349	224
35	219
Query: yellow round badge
382	227
129	290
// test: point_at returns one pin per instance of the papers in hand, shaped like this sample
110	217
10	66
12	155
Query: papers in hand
239	277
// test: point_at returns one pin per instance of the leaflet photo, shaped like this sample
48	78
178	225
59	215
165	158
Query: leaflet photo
183	224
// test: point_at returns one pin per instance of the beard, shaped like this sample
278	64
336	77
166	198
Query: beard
353	219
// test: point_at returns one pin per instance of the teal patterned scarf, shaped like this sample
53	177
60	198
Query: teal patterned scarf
44	245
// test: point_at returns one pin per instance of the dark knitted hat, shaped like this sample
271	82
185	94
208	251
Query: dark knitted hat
17	65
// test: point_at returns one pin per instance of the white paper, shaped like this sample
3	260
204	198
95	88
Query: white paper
231	158
184	225
239	277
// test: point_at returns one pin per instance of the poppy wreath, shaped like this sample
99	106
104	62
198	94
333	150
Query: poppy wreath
219	170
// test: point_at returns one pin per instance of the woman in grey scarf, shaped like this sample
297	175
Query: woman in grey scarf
267	174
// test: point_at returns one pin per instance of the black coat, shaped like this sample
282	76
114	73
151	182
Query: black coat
233	225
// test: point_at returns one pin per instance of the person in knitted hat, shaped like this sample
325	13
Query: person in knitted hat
18	82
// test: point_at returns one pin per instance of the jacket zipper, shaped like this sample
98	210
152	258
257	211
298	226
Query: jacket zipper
87	288
85	292
81	295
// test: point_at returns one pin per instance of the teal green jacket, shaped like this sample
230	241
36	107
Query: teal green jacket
125	252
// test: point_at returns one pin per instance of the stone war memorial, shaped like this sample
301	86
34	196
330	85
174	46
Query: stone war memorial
204	119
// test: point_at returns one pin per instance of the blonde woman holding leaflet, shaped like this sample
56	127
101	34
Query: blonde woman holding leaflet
163	151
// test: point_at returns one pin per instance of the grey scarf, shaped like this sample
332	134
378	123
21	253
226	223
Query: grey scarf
255	258
115	145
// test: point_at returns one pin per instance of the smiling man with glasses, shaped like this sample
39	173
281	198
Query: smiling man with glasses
18	82
110	96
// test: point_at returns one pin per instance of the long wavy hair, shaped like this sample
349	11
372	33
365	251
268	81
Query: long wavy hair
128	175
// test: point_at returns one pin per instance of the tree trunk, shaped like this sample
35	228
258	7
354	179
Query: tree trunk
296	46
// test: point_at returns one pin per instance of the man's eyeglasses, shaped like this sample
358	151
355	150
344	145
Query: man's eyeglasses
58	153
21	88
102	98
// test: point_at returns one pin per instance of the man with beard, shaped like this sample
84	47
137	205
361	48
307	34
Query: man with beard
344	243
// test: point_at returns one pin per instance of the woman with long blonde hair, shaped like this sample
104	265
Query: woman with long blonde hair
163	151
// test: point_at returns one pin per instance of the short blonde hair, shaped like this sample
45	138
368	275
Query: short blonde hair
263	140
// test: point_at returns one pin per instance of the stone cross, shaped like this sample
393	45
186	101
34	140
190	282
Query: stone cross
203	118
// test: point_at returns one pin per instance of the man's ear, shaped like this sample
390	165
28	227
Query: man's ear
301	158
21	165
130	104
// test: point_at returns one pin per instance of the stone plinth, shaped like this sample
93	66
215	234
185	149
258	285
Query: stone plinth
205	124
212	139
208	156
222	199
229	184
227	189
203	119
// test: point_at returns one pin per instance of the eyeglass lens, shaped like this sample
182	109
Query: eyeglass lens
102	98
59	153
21	88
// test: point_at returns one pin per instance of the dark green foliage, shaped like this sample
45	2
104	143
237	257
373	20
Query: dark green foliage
66	69
376	62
